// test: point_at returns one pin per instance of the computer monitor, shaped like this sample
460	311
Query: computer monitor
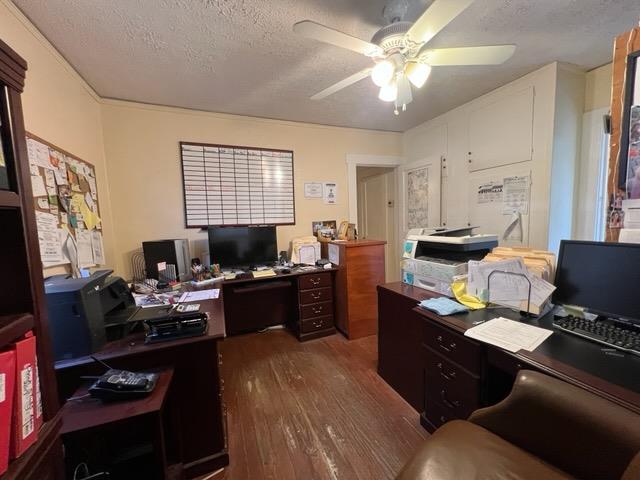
243	246
602	277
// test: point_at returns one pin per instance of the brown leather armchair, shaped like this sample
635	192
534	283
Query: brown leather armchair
545	429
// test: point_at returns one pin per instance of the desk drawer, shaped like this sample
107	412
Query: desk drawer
453	346
461	389
314	280
317	295
315	324
449	404
316	310
437	414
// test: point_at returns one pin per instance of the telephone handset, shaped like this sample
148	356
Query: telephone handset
123	380
122	384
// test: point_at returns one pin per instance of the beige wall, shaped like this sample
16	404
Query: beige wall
141	145
598	88
58	105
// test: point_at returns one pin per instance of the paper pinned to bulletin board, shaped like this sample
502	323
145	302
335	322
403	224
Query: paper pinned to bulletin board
66	202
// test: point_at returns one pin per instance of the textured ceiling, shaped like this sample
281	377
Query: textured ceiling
241	56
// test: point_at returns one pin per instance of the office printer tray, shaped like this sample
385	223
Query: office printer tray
179	325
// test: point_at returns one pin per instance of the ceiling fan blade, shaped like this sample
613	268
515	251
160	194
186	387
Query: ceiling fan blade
356	77
435	18
334	37
490	55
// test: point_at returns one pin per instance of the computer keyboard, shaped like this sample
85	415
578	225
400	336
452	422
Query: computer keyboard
605	332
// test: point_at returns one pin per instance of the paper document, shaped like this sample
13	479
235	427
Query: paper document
85	251
334	254
38	187
503	286
509	334
264	273
198	295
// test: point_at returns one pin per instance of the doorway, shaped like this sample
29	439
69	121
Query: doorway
377	210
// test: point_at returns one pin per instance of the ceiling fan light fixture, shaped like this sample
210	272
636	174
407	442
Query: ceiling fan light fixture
418	73
389	92
383	73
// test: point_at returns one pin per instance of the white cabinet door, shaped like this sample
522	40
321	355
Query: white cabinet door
501	132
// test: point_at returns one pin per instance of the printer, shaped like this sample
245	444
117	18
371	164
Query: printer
80	310
432	258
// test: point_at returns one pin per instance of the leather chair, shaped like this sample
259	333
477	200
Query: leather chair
545	429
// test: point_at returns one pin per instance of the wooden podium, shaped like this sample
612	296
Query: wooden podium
360	271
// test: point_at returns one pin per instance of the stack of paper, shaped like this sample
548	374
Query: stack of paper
264	273
539	262
509	334
509	285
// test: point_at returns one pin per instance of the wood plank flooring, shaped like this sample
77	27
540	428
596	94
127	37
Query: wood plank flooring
314	410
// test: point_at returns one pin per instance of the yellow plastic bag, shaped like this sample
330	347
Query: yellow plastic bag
459	289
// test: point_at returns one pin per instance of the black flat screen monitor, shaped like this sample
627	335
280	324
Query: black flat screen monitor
243	246
602	277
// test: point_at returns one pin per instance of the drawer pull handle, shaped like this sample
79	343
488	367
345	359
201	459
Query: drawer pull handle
453	345
317	325
318	310
441	345
447	402
442	419
316	296
449	376
315	281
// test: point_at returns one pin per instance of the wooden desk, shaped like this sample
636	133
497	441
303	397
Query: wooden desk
86	419
302	299
483	373
196	382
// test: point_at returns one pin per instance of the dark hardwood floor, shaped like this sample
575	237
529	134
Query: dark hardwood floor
315	410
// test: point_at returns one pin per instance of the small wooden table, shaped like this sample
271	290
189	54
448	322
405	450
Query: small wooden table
85	418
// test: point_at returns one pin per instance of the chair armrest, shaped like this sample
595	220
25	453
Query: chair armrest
581	433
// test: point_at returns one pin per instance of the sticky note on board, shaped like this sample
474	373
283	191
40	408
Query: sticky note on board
90	219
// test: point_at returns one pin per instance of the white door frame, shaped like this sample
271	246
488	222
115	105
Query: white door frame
363	160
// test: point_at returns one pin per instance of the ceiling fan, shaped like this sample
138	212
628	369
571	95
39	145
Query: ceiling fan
400	50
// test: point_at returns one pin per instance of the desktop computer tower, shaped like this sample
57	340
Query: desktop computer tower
172	252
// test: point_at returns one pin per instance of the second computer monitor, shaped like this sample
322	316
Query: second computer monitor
243	246
602	277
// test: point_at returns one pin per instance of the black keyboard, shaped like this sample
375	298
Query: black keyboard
605	332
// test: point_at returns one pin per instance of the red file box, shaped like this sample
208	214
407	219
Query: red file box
24	432
7	385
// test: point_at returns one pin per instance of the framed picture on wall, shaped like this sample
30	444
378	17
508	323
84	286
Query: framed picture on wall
629	179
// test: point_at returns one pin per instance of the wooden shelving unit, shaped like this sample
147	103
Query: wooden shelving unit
22	302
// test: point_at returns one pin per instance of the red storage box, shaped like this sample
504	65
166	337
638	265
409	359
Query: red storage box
7	385
24	432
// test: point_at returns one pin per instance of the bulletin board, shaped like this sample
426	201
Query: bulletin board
66	202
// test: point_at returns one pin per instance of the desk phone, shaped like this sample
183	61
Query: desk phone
123	385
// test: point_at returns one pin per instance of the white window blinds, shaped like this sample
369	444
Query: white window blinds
226	185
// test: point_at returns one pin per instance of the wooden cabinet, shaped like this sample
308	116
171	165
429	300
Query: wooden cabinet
315	306
360	271
22	304
400	351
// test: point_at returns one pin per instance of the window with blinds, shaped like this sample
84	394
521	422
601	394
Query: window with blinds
226	185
